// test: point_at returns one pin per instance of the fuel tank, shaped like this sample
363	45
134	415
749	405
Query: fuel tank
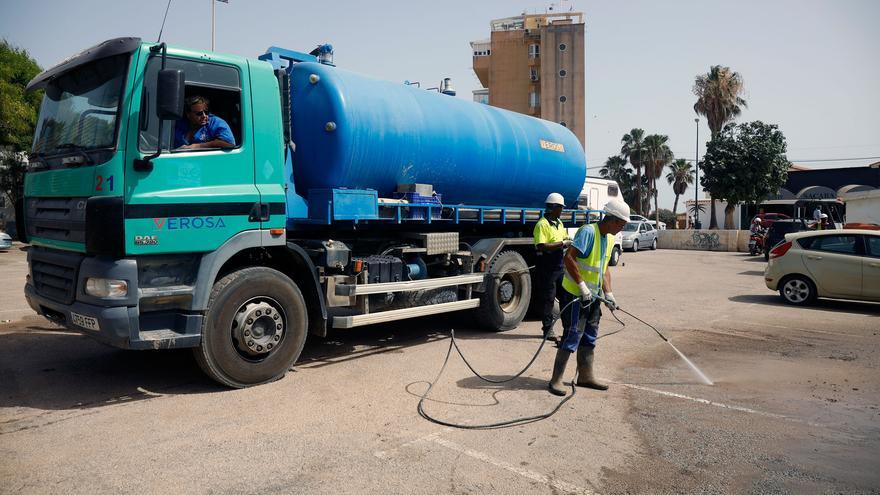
353	131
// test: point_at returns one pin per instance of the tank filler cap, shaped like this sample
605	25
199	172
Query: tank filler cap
314	78
330	126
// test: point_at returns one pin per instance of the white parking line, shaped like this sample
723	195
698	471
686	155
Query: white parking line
434	437
721	405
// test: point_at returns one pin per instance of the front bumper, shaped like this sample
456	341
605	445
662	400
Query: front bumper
627	243
119	322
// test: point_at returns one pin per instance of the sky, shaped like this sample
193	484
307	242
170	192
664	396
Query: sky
810	67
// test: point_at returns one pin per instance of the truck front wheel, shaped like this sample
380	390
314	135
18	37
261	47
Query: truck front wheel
255	328
504	303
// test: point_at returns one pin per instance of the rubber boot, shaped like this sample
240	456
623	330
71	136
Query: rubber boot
556	386
585	370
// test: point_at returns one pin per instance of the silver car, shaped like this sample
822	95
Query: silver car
5	240
639	235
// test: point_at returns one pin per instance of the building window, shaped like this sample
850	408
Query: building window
534	100
534	51
533	74
562	47
563	73
562	99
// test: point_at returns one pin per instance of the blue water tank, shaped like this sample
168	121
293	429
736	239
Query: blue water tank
357	132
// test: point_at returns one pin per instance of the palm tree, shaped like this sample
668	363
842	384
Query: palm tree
615	169
633	148
718	99
680	176
658	155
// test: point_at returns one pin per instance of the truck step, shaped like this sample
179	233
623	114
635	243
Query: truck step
410	285
401	314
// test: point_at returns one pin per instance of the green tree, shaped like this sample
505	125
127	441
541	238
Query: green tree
718	99
658	156
633	148
665	216
617	169
680	176
745	163
18	116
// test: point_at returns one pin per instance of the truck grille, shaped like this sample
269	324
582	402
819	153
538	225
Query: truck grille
62	219
54	275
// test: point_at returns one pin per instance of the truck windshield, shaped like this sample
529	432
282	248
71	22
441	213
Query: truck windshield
80	108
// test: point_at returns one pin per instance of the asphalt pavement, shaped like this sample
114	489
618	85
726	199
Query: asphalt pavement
793	408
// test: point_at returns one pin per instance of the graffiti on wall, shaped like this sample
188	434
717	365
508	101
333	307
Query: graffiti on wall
704	240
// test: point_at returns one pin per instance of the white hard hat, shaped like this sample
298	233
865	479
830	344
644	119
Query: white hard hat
824	216
555	199
757	220
617	208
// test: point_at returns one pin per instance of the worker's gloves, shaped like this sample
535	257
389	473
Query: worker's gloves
566	243
586	295
610	302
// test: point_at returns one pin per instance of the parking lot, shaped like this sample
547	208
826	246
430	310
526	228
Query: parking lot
795	405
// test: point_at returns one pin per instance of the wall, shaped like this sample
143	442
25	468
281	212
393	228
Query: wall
704	240
863	207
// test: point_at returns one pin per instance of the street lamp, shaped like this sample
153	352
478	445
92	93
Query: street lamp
697	225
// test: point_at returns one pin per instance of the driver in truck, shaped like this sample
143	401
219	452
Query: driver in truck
199	129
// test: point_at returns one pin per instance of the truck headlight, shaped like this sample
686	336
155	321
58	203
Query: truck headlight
106	287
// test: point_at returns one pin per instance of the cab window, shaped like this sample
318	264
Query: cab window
219	84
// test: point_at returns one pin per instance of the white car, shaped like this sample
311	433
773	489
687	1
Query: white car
843	264
5	240
639	235
639	218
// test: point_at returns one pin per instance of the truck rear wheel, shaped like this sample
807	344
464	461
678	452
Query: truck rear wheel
504	303
255	328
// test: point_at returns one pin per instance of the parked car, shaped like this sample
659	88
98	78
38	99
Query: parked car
842	264
640	218
776	233
5	240
638	235
768	219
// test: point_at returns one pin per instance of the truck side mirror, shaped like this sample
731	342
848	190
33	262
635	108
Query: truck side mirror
170	94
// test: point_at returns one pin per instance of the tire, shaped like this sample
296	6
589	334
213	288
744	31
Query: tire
505	301
615	256
797	290
246	303
654	244
635	246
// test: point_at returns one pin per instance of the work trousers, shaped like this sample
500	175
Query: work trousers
549	285
580	323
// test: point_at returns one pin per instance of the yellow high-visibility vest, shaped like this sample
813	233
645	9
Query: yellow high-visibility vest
591	267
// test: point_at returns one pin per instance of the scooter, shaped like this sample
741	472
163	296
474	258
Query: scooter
756	243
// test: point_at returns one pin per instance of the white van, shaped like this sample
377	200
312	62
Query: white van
595	193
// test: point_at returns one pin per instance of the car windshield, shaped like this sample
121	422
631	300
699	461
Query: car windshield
631	227
80	108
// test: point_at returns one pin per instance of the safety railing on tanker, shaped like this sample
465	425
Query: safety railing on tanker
398	212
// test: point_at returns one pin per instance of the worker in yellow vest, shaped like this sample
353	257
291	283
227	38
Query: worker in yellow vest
586	276
551	239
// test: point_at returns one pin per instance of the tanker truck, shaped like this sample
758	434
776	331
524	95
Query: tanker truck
345	201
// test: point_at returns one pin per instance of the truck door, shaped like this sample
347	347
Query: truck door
192	199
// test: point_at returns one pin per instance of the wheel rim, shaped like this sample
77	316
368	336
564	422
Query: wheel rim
635	245
796	290
510	291
258	328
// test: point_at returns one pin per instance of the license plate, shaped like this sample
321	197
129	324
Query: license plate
84	321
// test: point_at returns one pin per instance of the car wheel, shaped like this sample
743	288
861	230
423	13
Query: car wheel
615	256
654	244
635	246
797	290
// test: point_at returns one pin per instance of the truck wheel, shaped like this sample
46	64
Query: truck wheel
506	299
255	328
615	256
